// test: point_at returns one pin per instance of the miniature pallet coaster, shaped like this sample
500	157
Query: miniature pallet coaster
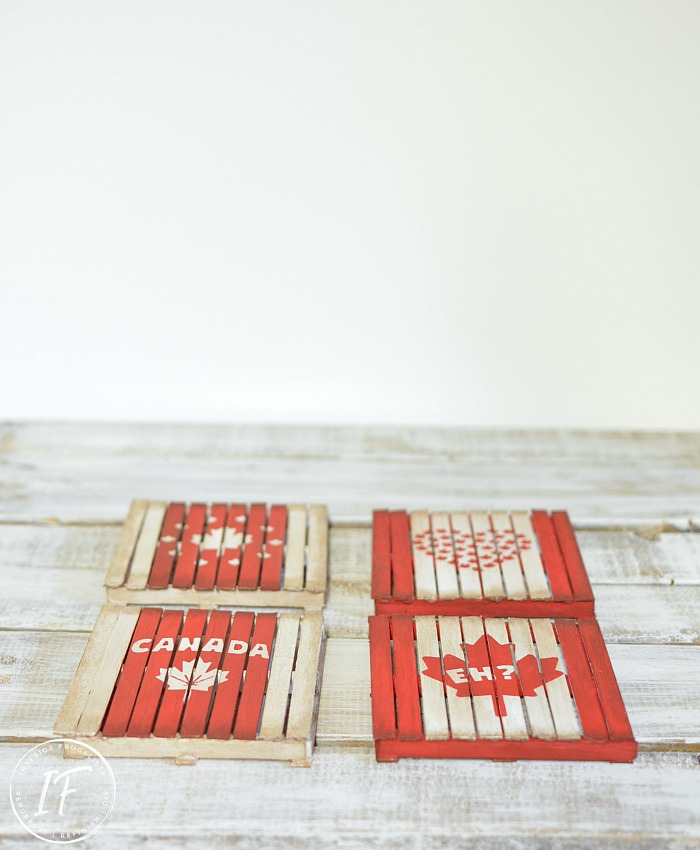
520	564
197	684
474	687
233	555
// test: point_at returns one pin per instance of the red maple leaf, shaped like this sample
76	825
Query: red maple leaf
491	672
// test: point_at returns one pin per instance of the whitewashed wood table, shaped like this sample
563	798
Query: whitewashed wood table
634	499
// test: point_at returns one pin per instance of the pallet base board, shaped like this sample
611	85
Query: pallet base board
486	608
612	751
308	600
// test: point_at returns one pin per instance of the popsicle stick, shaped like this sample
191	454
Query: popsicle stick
467	559
578	578
159	577
208	563
435	723
381	556
582	682
182	674
535	696
146	546
273	551
423	561
306	677
406	679
608	689
382	688
508	556
401	559
228	686
232	547
444	555
317	557
455	666
127	541
259	654
295	557
551	556
127	687
535	576
249	576
189	548
202	689
279	681
485	544
148	699
560	704
488	723
505	679
107	672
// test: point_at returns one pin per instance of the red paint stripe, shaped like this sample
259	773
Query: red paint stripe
151	689
578	577
230	561
189	548
273	552
208	563
228	687
181	674
383	711
406	679
381	556
581	681
194	720
249	577
167	547
124	697
608	689
401	557
248	716
551	556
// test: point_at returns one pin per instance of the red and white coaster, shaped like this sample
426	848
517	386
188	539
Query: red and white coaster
504	689
221	554
197	684
478	563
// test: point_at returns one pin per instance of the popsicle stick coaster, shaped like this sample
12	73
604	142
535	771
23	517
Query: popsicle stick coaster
222	554
155	683
496	688
469	564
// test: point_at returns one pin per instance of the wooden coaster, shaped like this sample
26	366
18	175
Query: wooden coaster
495	688
519	564
210	555
197	684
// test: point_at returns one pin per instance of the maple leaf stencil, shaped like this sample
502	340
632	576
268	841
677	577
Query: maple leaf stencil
197	678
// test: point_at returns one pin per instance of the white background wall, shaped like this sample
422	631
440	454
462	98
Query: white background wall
418	212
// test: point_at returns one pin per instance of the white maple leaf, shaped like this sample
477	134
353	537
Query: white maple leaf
199	678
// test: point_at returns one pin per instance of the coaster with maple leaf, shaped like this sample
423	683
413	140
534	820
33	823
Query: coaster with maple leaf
493	687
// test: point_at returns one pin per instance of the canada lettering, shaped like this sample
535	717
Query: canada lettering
235	647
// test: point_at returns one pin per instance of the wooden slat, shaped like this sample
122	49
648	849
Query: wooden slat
306	677
257	665
459	707
146	546
232	545
535	576
279	681
208	563
581	680
295	555
317	558
536	703
508	556
488	723
401	560
467	559
273	548
381	555
74	703
435	724
107	671
189	548
485	545
406	679
226	698
578	578
127	687
249	576
423	561
505	679
124	549
166	553
565	722
382	679
444	555
551	556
